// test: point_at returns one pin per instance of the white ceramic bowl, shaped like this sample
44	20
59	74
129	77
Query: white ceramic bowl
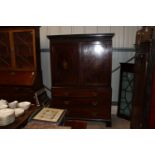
13	104
24	105
3	102
19	112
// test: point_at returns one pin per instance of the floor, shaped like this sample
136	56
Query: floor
117	123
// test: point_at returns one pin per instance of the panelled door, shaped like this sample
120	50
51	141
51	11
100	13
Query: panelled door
65	60
95	64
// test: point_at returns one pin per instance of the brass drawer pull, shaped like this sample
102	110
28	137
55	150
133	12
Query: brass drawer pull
12	73
94	93
66	93
66	102
94	103
94	114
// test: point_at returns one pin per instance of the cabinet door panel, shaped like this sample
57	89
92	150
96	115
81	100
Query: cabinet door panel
64	64
95	64
24	49
5	52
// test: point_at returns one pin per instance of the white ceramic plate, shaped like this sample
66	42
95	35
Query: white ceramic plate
7	116
3	106
6	112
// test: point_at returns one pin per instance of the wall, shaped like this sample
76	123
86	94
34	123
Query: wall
123	45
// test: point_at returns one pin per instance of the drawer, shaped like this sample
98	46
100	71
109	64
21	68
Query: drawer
89	108
81	102
89	114
19	78
80	92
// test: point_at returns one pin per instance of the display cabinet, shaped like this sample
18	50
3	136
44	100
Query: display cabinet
126	88
81	75
20	68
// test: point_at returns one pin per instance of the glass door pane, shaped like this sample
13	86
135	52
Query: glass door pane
5	52
24	49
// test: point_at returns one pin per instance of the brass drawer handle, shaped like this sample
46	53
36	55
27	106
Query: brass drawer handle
12	73
94	93
94	114
65	65
66	93
94	103
66	102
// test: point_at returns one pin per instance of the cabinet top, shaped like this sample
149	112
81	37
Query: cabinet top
81	36
17	27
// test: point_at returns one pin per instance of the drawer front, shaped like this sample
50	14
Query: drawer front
79	92
89	108
19	78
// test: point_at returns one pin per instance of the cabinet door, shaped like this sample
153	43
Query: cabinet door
95	63
64	58
24	49
5	52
